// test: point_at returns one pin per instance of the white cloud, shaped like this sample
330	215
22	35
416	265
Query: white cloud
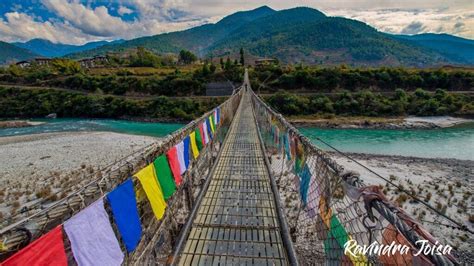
123	10
97	22
20	26
78	23
413	21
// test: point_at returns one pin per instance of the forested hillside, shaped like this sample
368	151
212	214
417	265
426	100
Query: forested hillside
293	36
11	53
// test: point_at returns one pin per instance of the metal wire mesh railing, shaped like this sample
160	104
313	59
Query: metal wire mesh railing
327	208
158	235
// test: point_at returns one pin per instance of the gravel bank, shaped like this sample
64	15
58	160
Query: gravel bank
32	163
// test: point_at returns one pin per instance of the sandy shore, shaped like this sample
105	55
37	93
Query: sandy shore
32	163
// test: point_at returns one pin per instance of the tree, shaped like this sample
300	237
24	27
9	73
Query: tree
205	69
228	64
242	60
221	61
212	68
187	57
144	58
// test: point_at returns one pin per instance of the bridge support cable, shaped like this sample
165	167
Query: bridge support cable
326	207
237	220
187	227
292	257
157	235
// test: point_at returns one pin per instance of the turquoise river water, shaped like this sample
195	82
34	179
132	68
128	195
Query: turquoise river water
456	142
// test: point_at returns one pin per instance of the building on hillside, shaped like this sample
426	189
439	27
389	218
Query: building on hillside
23	64
42	61
265	62
93	61
219	88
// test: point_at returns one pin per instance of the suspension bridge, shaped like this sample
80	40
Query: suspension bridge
238	186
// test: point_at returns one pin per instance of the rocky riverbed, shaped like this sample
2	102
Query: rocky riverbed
39	165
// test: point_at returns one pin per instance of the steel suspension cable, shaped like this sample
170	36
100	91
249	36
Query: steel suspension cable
461	226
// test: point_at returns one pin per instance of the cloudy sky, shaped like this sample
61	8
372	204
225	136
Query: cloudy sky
80	21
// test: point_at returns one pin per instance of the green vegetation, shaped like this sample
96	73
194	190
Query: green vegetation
187	57
141	74
10	52
367	103
15	102
317	79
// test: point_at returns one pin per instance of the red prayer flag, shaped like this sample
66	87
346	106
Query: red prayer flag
201	131
46	250
173	161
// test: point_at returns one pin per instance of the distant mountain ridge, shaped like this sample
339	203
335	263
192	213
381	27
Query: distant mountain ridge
453	47
293	35
9	53
49	49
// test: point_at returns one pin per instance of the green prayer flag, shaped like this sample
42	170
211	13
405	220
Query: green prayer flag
163	173
198	139
338	231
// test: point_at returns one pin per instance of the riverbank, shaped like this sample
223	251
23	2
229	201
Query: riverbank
411	122
35	166
18	123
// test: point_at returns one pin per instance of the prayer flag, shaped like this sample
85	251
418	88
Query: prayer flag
182	149
208	127
46	250
124	209
215	116
313	197
163	172
151	186
338	231
286	142
173	161
194	146
300	157
204	132
198	139
201	133
92	237
305	176
213	125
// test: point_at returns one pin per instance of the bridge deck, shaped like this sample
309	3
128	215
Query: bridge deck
237	222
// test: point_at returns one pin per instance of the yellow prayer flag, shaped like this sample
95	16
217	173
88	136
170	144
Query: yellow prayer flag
194	147
212	124
152	189
358	258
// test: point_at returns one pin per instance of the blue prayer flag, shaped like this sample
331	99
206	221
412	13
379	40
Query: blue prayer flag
186	141
305	176
124	209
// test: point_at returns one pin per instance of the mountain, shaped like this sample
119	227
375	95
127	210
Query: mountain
10	53
197	39
49	49
294	35
452	47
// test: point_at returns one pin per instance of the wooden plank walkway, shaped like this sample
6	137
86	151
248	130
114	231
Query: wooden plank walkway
237	221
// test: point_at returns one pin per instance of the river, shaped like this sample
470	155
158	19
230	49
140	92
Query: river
456	142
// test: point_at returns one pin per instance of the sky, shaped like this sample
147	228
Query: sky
81	21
